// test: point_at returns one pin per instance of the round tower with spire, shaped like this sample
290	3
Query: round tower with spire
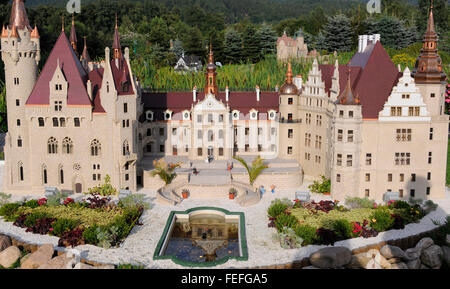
211	74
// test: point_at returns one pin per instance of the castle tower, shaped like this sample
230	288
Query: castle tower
117	49
428	73
20	55
289	124
211	74
85	58
347	134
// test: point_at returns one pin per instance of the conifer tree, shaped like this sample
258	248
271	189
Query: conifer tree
251	44
268	39
233	51
338	34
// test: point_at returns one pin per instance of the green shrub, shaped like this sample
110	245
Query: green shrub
381	220
133	201
104	190
307	233
130	267
4	198
278	207
31	204
320	187
90	235
55	200
288	238
33	217
359	203
284	220
401	205
9	211
429	207
343	229
61	226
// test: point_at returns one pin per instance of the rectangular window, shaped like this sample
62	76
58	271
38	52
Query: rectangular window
402	177
411	111
247	147
350	114
220	117
389	177
431	133
125	108
429	176
289	150
174	131
290	133
338	178
341	113
339	160
368	159
401	193
430	157
76	122
127	177
350	136
432	95
367	193
289	116
19	142
349	160
417	111
220	151
402	159
290	100
367	177
17	102
18	122
413	177
161	131
199	152
199	118
412	193
340	135
149	132
428	191
210	118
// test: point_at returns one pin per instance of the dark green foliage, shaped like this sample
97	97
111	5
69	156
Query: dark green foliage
307	233
343	229
277	207
394	32
322	186
383	220
359	203
62	226
31	204
33	217
130	267
338	34
285	220
326	237
90	235
8	211
233	51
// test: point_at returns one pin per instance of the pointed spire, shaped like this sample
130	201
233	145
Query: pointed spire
73	35
19	16
4	32
85	55
211	81
347	96
116	44
35	33
289	73
430	24
62	23
211	54
14	33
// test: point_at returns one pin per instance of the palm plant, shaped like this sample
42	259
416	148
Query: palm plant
164	171
255	170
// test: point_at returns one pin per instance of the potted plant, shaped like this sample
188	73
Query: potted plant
321	187
185	193
232	193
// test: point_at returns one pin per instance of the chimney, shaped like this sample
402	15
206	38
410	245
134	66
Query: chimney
364	42
107	55
360	43
194	93
258	93
89	89
277	88
227	94
127	53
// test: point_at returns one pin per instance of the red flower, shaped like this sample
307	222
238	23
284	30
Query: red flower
356	228
68	201
42	202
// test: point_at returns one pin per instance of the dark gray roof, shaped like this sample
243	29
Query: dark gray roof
361	58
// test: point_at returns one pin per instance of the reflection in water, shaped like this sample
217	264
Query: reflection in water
204	238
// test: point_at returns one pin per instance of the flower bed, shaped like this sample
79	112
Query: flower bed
96	220
326	222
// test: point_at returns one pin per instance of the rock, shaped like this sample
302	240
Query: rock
310	267
358	261
9	256
394	260
446	254
424	244
331	257
59	262
424	267
432	256
83	266
414	264
38	258
400	265
105	267
5	242
24	258
372	253
412	254
373	265
383	262
390	252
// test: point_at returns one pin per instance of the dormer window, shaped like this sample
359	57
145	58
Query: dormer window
149	115
236	115
272	115
58	87
168	115
58	105
186	115
253	115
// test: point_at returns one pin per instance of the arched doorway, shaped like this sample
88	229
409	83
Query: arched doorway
78	188
77	184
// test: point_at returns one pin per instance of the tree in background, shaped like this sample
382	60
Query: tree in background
216	38
251	44
177	48
255	170
338	34
233	46
441	15
268	39
393	31
193	42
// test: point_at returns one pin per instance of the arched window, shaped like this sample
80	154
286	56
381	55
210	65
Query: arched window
62	122
220	134
52	146
21	174
41	121
67	146
44	174
76	122
61	174
95	148
126	148
19	142
55	122
210	135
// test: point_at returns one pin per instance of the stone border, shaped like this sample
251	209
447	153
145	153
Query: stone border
242	241
404	243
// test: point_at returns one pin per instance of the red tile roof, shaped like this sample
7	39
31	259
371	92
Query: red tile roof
19	16
373	75
96	77
121	75
73	71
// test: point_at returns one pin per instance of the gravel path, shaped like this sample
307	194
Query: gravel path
138	248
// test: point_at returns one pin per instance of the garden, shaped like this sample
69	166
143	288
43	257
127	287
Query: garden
326	222
97	219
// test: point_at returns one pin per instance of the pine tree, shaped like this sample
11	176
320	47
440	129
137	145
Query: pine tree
250	41
177	48
233	51
193	42
268	39
393	32
338	34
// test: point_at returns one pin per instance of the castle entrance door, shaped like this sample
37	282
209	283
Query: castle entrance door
78	188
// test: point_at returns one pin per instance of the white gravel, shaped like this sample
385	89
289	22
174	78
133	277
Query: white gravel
139	247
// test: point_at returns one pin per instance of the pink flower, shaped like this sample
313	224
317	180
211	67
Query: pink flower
447	100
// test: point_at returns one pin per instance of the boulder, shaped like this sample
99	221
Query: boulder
424	243
400	265
446	254
310	267
394	260
24	258
432	256
373	265
5	242
372	253
384	263
390	252
38	258
9	256
105	267
83	266
358	261
424	267
414	264
412	254
60	262
331	257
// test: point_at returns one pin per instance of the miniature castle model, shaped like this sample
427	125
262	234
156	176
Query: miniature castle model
366	125
288	47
